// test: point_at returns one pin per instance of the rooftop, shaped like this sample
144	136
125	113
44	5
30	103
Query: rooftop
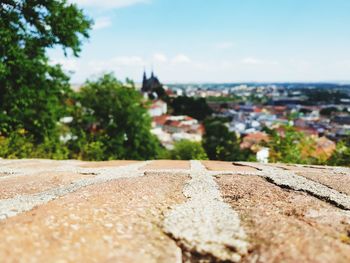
169	211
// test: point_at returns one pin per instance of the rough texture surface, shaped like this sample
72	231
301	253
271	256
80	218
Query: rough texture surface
21	203
328	176
227	166
289	179
164	164
205	225
285	226
111	222
173	211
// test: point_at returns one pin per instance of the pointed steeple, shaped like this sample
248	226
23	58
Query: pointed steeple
152	74
144	81
144	76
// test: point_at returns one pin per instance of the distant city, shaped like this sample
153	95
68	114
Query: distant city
320	110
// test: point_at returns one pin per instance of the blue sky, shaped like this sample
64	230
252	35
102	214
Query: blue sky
215	40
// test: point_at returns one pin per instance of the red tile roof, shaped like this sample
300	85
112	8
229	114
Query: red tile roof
253	139
160	120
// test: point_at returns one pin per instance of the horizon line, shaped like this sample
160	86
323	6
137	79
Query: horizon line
337	82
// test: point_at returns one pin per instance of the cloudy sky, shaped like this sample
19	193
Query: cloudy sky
215	40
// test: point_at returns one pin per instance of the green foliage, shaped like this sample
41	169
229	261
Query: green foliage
50	149
21	145
231	98
324	96
188	150
256	100
110	122
292	147
33	92
305	111
341	156
16	145
251	99
93	151
247	155
161	93
219	143
328	111
293	116
194	107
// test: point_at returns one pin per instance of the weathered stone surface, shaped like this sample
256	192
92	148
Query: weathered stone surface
117	221
328	176
172	211
164	165
11	186
20	203
227	166
105	164
205	225
289	179
287	226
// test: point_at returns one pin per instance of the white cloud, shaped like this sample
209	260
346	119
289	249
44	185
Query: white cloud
224	45
102	22
256	61
108	3
251	61
180	59
159	57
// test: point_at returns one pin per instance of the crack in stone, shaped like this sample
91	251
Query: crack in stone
288	179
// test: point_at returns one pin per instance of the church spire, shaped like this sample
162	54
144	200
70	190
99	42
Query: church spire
152	74
144	81
144	76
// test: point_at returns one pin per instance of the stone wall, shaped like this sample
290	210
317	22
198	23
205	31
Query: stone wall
173	211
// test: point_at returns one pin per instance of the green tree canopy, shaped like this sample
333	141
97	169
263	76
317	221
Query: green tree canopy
111	122
219	143
291	147
328	111
341	156
188	150
194	107
33	92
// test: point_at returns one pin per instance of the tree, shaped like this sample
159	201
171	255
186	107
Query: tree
194	107
21	145
328	111
291	147
305	111
32	91
327	95
219	143
341	156
161	93
111	122
188	150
